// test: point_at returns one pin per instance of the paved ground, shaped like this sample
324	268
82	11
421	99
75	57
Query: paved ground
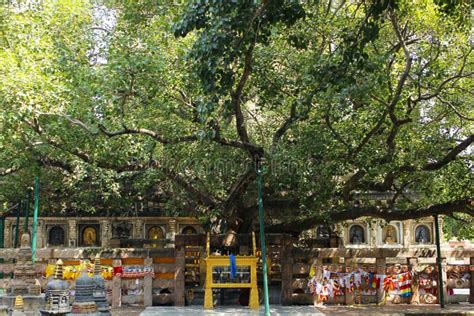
393	310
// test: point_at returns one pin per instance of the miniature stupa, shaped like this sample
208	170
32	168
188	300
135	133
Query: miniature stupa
100	295
57	294
84	298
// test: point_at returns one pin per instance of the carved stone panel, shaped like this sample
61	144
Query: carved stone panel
122	230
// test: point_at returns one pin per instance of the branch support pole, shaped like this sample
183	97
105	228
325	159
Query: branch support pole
27	212
440	264
262	242
35	219
17	227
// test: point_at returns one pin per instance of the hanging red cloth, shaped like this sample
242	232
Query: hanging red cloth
118	271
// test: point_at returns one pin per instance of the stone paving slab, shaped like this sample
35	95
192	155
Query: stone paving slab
393	310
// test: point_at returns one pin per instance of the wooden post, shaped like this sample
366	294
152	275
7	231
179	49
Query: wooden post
116	286
380	264
253	302
148	284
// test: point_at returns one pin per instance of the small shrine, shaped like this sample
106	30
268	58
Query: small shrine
57	294
24	282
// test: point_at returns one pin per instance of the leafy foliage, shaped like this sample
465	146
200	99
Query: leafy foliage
121	105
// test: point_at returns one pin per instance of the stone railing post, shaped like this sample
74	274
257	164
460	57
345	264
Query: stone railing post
318	273
148	284
286	261
116	286
412	264
471	292
179	272
380	264
349	293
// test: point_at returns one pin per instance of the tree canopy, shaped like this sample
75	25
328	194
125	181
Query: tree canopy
118	105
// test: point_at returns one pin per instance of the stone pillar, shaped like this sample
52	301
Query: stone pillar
40	240
286	261
170	233
104	233
138	229
180	268
148	285
341	231
373	234
348	293
407	228
73	232
471	292
415	285
116	286
380	266
8	236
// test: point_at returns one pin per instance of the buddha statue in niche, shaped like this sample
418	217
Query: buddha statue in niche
390	235
90	236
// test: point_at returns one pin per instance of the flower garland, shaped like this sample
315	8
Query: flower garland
73	272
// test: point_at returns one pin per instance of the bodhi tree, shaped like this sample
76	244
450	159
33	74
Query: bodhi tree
118	104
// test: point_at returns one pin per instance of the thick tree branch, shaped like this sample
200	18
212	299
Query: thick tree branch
408	62
237	95
450	156
147	132
465	205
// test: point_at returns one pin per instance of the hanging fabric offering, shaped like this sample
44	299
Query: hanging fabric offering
313	286
404	282
388	284
373	284
324	291
233	266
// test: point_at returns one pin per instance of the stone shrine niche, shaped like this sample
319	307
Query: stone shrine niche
390	234
122	230
357	235
423	234
56	235
155	233
189	230
89	235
